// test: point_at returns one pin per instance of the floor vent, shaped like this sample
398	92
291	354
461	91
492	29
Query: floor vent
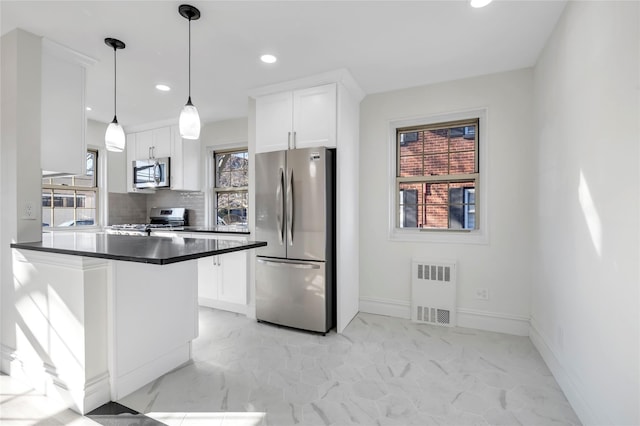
433	292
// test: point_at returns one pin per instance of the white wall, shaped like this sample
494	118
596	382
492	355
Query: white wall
585	315
20	181
224	134
503	265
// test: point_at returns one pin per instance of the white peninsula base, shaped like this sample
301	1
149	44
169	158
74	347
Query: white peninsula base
92	330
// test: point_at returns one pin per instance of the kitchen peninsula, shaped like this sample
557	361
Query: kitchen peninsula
105	314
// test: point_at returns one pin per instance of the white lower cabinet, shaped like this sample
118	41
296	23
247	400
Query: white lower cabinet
222	280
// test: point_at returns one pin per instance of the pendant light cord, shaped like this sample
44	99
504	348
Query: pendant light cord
189	59
115	81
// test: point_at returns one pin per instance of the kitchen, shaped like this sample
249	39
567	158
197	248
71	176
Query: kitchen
542	302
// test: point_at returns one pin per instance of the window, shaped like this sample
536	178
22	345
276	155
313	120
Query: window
71	200
231	187
437	174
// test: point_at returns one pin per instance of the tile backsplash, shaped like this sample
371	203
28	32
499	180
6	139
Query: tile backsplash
134	208
127	208
192	201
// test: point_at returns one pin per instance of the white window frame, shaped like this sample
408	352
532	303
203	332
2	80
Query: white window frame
100	167
476	236
210	170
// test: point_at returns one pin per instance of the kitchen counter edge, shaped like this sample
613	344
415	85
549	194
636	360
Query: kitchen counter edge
147	248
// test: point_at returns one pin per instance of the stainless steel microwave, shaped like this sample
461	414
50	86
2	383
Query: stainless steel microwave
152	173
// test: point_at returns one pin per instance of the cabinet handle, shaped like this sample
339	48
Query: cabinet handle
150	156
294	140
289	140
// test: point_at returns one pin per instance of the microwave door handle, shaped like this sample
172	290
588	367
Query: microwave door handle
157	173
280	206
290	201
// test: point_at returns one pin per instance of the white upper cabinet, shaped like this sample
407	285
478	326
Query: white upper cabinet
185	162
154	143
166	142
63	121
314	117
297	119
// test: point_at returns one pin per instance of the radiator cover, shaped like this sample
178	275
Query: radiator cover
433	292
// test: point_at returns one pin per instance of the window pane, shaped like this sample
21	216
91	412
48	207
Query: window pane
239	178
86	199
436	141
463	162
232	169
410	145
46	197
411	166
437	216
232	208
462	206
463	138
222	200
63	216
46	216
85	217
63	198
436	165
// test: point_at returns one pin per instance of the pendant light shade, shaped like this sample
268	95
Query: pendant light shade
114	138
189	121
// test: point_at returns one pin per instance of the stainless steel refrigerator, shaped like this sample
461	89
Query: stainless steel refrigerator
295	215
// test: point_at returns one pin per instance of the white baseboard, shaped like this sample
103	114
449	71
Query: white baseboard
493	321
388	307
8	360
571	390
123	385
80	397
224	306
469	318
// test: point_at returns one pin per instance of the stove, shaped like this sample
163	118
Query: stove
159	218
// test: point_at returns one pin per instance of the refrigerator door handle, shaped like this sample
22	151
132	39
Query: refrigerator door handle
289	264
280	207
290	208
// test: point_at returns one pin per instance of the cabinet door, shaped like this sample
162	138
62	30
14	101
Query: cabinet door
63	144
274	121
185	162
315	116
161	146
208	277
144	142
232	286
131	157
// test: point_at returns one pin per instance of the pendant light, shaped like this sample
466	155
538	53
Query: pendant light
189	119
114	138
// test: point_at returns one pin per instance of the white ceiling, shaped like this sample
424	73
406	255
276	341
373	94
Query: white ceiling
386	45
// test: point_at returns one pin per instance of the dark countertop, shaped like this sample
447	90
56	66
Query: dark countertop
128	248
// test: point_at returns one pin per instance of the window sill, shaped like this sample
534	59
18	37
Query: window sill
439	236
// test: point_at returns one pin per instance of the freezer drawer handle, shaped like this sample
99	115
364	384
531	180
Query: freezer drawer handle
290	264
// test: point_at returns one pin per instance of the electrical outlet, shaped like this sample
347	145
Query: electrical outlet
28	212
482	293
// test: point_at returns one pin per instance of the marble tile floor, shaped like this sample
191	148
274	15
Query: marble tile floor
381	371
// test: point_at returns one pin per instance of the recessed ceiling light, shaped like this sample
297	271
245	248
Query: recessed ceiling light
268	59
163	87
479	3
88	108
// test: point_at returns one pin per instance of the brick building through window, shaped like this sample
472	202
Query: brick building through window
437	176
